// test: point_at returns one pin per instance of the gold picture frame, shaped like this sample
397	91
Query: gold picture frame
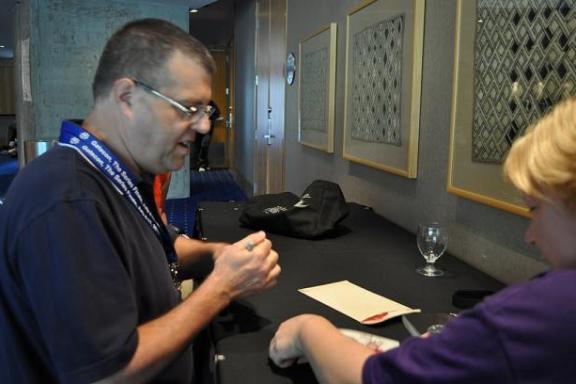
317	89
384	43
468	175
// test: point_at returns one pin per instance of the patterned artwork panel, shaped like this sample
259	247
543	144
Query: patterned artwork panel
314	85
525	62
377	82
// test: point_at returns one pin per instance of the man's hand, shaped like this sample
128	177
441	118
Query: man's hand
247	266
218	249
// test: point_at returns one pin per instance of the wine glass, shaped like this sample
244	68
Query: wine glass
432	241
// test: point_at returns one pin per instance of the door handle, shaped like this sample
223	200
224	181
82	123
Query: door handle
229	120
269	136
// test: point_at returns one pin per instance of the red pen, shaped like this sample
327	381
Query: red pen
375	318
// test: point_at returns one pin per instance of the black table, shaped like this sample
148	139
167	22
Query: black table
369	251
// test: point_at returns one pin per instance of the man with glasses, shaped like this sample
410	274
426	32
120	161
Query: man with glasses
88	273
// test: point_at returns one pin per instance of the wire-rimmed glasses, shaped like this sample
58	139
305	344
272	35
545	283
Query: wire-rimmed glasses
193	113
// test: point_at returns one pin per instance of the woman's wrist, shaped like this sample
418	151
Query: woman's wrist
310	327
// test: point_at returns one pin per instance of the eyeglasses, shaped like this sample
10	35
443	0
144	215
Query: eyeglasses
192	114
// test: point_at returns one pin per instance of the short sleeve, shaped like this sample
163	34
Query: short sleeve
75	281
467	350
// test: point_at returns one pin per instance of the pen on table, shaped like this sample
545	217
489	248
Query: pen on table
376	317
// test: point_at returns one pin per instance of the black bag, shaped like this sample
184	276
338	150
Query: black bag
314	214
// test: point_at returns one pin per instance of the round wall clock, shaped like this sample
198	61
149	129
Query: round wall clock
290	68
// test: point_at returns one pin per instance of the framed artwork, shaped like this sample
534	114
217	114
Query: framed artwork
383	79
316	89
513	61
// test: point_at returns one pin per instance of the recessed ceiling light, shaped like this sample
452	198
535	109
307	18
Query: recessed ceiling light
1	46
193	10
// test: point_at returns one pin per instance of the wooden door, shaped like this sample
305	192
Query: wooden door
269	134
230	113
219	146
7	91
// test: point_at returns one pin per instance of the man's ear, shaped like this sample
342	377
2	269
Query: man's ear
122	92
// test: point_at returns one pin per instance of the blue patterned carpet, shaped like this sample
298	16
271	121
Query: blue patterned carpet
216	185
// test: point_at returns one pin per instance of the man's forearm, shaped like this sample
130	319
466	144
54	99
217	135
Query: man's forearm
190	250
238	271
161	340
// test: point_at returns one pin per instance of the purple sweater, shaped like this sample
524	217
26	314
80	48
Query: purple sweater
524	334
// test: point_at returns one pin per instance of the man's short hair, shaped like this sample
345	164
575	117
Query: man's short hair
140	50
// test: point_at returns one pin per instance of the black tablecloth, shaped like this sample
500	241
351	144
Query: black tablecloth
368	251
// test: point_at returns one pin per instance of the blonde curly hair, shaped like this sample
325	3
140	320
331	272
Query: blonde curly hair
542	163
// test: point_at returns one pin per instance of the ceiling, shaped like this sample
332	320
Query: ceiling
8	16
213	25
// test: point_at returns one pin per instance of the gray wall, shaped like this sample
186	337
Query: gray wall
485	237
66	40
244	118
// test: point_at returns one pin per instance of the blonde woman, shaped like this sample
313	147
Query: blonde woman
524	334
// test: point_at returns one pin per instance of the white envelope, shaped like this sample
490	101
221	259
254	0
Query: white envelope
360	304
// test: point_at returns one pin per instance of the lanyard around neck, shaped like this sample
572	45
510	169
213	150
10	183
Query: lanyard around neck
121	178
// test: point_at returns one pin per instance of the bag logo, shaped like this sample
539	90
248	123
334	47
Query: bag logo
275	210
301	203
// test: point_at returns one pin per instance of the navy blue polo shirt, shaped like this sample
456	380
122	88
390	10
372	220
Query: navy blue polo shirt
80	270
